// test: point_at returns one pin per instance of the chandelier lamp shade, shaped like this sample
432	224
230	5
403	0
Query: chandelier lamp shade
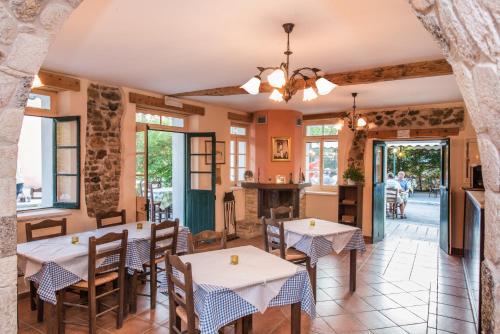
286	83
353	120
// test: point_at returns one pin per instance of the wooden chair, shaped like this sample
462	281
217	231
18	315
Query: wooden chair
181	299
282	212
206	241
35	301
112	270
161	242
274	243
230	215
109	215
391	199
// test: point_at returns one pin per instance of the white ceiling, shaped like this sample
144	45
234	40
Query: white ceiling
182	45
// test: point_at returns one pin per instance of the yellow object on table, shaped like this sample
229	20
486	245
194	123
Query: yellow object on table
139	226
234	259
312	223
75	239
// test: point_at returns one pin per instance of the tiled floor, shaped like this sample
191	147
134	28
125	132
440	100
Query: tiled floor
405	285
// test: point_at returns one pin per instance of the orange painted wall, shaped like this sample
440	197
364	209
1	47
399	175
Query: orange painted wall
280	123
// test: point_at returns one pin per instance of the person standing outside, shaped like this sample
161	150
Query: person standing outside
405	187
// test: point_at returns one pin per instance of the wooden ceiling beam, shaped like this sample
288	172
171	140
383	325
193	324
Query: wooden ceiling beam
58	82
414	70
248	118
414	133
159	103
330	115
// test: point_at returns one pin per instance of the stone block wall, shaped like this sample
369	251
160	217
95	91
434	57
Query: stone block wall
103	158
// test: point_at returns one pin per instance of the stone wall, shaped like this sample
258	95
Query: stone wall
26	30
103	157
468	32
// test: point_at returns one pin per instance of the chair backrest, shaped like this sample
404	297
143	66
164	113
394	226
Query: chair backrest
207	241
45	224
391	195
274	235
163	241
112	247
229	210
282	212
180	292
109	215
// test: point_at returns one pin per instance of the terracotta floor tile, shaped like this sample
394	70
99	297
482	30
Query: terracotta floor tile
453	300
374	320
405	299
381	302
416	329
328	308
455	326
390	330
345	323
386	288
354	305
455	312
402	316
422	311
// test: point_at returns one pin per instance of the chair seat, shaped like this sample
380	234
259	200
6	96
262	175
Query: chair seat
291	254
99	280
182	313
157	260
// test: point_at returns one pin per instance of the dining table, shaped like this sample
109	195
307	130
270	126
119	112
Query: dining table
317	238
57	263
226	292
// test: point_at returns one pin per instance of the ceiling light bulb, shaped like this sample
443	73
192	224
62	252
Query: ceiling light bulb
277	78
252	86
361	122
276	96
340	124
309	94
37	83
324	86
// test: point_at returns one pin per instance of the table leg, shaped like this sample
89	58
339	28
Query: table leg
352	270
243	325
51	319
131	294
295	318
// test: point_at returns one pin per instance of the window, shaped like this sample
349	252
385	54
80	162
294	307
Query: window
321	156
150	117
238	153
48	165
40	103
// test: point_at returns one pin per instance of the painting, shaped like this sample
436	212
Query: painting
281	149
220	152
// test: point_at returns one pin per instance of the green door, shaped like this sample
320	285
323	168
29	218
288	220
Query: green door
378	199
444	193
200	182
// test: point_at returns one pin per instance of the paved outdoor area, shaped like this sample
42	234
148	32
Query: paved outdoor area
406	284
421	209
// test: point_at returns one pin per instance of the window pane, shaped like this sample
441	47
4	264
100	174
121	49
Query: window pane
139	142
314	130
239	131
330	163
232	160
66	161
242	161
139	163
242	147
232	147
241	174
201	181
330	130
231	174
139	186
312	164
66	191
39	101
67	133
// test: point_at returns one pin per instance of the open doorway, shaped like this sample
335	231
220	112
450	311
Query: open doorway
410	186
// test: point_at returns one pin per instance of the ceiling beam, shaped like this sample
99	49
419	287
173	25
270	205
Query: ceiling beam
58	82
247	118
329	115
415	133
419	69
159	103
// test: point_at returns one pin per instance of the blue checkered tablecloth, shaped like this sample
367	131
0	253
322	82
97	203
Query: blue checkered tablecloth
316	247
52	277
219	306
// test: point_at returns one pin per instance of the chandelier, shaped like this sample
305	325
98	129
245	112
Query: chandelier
286	85
354	121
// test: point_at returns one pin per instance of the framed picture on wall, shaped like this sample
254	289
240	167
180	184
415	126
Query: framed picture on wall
220	152
281	149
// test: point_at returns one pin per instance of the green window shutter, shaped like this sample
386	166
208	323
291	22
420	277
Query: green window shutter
66	162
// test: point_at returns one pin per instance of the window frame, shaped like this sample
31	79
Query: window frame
77	147
40	112
160	126
321	140
238	138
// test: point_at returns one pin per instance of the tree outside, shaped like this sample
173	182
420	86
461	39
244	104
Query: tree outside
419	164
160	157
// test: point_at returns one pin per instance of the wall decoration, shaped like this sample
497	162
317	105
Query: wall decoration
218	177
281	149
220	152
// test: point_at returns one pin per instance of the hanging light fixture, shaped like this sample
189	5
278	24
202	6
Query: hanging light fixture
354	121
37	83
281	78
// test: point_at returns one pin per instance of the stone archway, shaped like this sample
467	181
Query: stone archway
466	30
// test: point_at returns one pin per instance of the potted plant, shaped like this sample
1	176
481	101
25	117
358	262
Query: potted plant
353	175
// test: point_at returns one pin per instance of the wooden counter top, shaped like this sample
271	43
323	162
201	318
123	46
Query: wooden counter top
274	186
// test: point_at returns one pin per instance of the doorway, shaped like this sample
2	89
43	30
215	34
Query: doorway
411	190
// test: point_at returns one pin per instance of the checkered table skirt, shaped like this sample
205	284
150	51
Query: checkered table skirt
52	277
219	306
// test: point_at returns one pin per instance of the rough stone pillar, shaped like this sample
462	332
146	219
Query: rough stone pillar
468	32
26	30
